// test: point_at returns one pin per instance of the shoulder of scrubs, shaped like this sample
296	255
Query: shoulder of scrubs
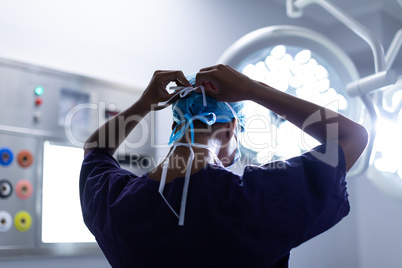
101	182
309	190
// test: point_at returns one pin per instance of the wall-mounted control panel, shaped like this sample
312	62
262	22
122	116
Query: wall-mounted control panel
46	116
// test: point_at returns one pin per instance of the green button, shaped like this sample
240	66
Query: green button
39	90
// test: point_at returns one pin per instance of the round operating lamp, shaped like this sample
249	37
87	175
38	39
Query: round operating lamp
300	62
385	171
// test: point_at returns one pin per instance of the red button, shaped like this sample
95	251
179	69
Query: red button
38	101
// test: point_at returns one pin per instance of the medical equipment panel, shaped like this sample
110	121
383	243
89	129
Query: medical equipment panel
46	117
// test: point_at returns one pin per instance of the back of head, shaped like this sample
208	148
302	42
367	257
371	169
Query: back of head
190	112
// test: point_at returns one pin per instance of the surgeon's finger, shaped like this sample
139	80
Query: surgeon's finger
165	77
213	74
210	89
205	76
210	68
168	100
232	69
183	82
181	79
209	86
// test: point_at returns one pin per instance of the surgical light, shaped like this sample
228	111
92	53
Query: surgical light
297	61
385	171
381	97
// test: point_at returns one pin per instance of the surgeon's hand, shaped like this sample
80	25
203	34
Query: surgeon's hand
224	83
156	91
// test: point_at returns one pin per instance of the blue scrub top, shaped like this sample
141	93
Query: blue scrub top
253	220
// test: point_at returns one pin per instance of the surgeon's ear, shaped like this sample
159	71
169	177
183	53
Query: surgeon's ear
230	128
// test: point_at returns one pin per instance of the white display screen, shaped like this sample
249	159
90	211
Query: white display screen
61	211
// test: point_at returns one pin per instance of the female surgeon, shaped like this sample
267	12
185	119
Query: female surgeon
190	210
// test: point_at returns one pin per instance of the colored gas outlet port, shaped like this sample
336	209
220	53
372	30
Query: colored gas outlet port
23	189
23	221
6	156
24	158
6	188
6	221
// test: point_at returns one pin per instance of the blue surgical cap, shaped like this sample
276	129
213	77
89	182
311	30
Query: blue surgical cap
191	107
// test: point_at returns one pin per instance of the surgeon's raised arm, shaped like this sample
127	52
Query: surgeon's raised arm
226	84
115	131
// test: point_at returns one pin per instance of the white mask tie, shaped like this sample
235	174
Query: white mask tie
184	91
186	178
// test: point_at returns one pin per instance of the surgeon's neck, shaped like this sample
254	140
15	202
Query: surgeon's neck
179	160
